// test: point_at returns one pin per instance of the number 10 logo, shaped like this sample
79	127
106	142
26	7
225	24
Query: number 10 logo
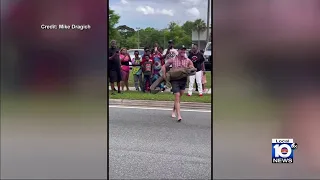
282	150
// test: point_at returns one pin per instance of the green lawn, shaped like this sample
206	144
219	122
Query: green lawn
208	76
165	96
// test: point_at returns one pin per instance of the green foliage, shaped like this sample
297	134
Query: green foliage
113	20
128	37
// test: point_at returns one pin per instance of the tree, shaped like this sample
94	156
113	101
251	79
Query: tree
126	31
188	27
172	25
199	26
129	38
113	20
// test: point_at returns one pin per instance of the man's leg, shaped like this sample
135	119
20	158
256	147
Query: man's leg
148	82
112	87
144	83
177	93
111	80
177	105
119	78
174	88
136	81
199	83
118	85
182	87
191	83
140	82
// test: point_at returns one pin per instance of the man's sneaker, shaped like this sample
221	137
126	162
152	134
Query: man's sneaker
200	95
189	95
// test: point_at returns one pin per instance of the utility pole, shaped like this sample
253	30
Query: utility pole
208	20
164	39
138	29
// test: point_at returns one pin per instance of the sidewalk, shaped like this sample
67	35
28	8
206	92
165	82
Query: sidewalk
208	91
159	104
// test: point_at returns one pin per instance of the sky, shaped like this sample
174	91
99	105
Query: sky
158	13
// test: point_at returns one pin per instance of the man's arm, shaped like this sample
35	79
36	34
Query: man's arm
142	60
201	59
190	64
190	56
164	67
111	57
152	70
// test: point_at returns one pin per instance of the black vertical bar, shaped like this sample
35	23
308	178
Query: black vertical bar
107	100
212	85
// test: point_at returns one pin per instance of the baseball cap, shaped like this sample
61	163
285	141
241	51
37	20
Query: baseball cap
182	47
146	49
170	41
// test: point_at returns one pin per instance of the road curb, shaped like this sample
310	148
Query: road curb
160	104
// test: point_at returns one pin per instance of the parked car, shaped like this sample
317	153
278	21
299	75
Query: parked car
208	57
131	53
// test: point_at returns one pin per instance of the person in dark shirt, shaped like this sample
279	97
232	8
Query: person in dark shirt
147	52
147	69
114	70
197	58
204	72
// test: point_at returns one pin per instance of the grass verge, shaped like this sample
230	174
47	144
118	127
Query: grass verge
165	96
208	77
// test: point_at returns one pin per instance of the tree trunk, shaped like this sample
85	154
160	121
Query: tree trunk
198	39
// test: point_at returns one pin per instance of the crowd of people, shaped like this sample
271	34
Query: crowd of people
146	68
154	64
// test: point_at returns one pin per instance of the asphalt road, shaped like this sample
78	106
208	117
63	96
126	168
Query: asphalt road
149	144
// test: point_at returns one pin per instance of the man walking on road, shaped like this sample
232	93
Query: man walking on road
178	86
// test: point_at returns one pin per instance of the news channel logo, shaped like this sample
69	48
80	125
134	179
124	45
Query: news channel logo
283	150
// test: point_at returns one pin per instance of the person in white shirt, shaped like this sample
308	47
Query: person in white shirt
171	52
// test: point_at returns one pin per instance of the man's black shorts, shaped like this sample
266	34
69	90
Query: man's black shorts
114	76
179	85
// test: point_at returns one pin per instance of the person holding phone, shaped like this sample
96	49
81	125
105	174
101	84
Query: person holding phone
156	46
171	52
114	71
125	68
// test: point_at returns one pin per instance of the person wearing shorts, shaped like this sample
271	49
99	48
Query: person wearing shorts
178	86
114	71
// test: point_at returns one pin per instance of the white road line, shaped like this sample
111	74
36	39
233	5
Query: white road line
159	108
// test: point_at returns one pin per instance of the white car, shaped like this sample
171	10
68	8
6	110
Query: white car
131	53
207	51
208	57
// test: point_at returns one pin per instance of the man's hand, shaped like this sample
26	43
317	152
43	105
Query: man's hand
168	50
114	55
